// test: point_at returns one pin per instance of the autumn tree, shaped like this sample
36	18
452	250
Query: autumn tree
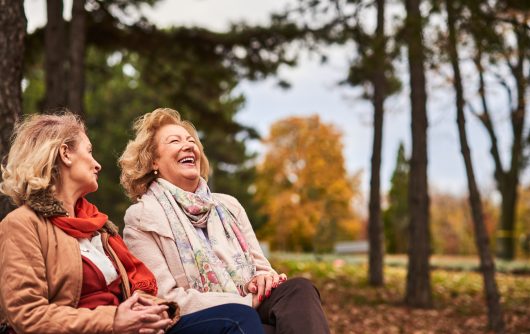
303	186
396	215
12	33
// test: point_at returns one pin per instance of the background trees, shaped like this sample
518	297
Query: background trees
396	215
127	68
12	32
303	187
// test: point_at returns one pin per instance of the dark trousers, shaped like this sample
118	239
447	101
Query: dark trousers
294	308
222	319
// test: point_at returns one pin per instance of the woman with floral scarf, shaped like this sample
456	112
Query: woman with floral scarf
200	245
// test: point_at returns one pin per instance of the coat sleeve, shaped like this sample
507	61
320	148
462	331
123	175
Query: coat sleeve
263	265
144	245
24	293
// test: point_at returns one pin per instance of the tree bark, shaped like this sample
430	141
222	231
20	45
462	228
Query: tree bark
418	289
506	232
55	56
375	230
76	85
487	265
12	32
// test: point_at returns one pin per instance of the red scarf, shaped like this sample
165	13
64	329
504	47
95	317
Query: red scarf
89	220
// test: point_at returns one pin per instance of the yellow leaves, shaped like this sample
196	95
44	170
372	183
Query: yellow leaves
303	187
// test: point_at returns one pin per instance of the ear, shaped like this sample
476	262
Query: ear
64	154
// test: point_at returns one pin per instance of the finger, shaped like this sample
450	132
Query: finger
148	331
149	318
255	301
261	287
151	331
129	302
275	280
268	286
252	287
283	278
145	301
156	309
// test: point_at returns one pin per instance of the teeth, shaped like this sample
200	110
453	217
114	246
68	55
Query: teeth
187	160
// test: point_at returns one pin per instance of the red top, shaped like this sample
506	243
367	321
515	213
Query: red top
95	291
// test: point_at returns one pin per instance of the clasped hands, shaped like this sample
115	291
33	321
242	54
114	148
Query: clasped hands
140	315
261	286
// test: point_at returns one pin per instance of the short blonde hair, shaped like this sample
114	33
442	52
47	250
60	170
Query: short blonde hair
32	161
136	162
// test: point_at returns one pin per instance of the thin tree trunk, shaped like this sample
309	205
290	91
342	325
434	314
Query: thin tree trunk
12	32
487	265
507	179
55	56
375	230
418	289
76	86
506	233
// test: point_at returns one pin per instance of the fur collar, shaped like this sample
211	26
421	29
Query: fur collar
45	204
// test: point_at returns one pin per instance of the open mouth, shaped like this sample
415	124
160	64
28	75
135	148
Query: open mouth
187	160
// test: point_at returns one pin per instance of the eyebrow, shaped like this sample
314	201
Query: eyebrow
179	136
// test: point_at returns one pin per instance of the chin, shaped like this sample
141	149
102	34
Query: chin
92	189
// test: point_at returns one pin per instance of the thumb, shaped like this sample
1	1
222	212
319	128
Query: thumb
252	287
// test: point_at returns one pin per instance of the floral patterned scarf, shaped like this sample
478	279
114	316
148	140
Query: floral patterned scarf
220	262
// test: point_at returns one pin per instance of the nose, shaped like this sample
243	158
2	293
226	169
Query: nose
98	166
187	147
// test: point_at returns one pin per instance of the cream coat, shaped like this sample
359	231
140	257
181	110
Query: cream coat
148	236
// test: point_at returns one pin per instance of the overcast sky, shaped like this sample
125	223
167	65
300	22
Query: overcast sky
315	91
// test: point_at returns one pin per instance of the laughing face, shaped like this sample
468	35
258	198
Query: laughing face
178	157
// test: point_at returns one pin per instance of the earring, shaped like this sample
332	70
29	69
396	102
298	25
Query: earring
155	172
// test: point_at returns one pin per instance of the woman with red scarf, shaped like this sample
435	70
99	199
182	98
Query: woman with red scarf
63	266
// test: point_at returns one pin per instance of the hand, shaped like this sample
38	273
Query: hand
262	285
138	315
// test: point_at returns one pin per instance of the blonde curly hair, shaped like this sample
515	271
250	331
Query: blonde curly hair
136	162
32	161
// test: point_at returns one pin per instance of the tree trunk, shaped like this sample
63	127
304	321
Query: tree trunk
12	33
418	290
375	230
76	86
507	179
505	245
506	232
487	266
55	56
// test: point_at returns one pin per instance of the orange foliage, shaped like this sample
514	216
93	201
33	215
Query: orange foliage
303	188
452	228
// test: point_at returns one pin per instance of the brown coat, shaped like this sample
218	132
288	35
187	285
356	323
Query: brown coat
41	277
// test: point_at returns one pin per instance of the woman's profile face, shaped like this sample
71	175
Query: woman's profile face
178	157
84	169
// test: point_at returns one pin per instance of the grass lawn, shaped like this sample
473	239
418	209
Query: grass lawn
352	306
